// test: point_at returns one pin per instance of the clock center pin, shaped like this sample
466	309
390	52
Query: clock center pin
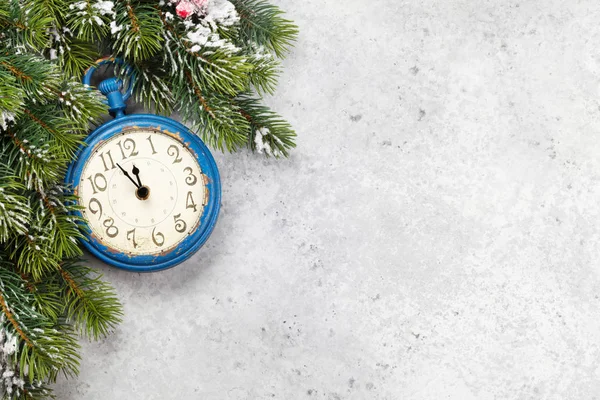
143	192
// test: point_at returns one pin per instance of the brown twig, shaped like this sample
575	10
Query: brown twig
132	18
16	72
13	321
39	121
18	142
71	282
198	93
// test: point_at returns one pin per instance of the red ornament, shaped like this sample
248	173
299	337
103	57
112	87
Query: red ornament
184	9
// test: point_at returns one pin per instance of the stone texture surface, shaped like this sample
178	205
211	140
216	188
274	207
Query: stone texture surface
435	235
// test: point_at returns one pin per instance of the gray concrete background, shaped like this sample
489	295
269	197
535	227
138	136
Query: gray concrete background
434	236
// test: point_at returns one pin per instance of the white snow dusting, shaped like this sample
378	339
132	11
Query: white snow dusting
204	34
200	35
6	118
10	344
262	146
105	7
114	28
80	5
220	12
10	379
260	52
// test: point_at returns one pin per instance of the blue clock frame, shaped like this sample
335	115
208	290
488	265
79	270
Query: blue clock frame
186	248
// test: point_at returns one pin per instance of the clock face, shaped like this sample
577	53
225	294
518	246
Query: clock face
143	192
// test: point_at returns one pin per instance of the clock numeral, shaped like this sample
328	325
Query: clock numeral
149	138
189	202
156	235
175	153
98	182
191	179
180	225
128	144
131	234
98	210
109	156
111	230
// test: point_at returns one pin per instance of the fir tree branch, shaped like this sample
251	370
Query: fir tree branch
138	33
90	303
75	55
88	19
67	226
32	162
263	77
262	23
14	210
24	24
28	71
52	234
47	295
20	75
198	94
37	350
269	133
62	134
56	9
11	318
221	70
216	118
152	88
12	98
35	391
81	106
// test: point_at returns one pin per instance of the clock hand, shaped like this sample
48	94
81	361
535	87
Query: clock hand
127	175
136	172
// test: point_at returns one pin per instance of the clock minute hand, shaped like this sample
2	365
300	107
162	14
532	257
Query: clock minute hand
127	175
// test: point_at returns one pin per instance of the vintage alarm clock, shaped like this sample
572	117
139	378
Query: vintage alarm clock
148	188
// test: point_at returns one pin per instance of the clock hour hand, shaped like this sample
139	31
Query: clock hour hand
127	175
136	172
